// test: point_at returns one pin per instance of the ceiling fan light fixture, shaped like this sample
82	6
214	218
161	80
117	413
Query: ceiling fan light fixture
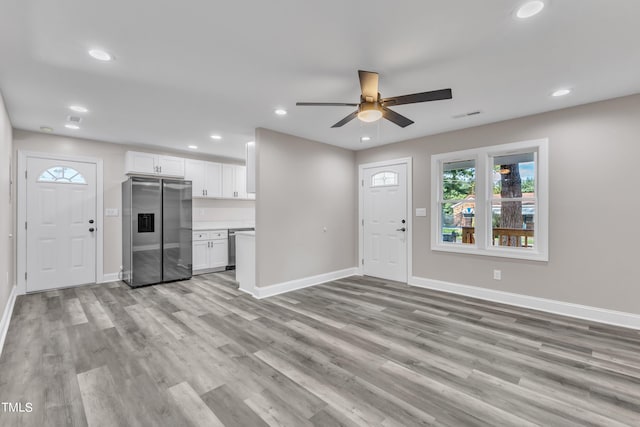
369	112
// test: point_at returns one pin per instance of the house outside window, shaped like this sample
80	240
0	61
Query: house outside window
492	201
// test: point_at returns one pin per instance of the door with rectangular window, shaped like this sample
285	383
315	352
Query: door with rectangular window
385	222
61	223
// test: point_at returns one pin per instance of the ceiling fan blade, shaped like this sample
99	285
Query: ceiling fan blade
346	119
326	104
434	95
369	85
396	118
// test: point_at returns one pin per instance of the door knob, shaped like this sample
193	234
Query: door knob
90	221
92	229
401	229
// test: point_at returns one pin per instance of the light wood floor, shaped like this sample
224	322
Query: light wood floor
358	351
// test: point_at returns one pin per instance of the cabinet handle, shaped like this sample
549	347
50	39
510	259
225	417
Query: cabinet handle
206	192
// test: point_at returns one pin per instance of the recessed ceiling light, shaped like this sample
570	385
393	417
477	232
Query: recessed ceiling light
216	137
529	9
100	55
72	126
561	92
46	129
193	147
78	109
365	138
281	112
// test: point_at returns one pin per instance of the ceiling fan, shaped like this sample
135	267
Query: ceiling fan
373	107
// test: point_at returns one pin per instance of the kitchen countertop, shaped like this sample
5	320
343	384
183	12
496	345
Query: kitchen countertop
222	225
246	233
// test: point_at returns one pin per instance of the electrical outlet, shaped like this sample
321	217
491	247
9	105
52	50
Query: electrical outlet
497	274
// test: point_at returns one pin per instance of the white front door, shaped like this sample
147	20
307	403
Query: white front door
385	225
61	223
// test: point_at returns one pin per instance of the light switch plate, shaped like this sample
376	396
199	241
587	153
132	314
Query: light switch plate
111	212
421	211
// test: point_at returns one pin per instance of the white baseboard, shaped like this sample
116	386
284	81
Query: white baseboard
305	282
595	314
110	277
6	316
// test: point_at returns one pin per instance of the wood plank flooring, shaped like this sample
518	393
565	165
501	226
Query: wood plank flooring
357	351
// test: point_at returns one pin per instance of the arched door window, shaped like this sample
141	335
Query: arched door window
62	175
384	179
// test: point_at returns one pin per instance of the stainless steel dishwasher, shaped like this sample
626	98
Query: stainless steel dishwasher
232	245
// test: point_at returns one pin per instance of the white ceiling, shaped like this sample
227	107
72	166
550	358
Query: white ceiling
185	70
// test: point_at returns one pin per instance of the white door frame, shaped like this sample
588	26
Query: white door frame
21	191
408	161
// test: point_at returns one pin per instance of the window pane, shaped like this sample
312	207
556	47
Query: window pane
514	176
458	222
62	175
384	178
459	180
513	223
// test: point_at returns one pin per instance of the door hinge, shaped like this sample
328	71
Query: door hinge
25	275
363	182
363	222
25	174
25	225
362	261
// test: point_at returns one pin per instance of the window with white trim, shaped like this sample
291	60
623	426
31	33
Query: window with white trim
492	201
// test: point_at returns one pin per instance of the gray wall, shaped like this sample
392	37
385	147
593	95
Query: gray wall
6	209
594	153
303	186
113	156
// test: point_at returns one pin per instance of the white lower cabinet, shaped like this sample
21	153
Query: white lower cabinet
200	255
210	251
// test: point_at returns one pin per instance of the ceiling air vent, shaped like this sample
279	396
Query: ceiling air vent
74	119
473	113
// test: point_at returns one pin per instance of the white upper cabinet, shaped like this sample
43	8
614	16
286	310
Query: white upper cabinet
213	179
234	182
241	182
171	166
251	168
194	172
228	181
153	164
206	178
141	163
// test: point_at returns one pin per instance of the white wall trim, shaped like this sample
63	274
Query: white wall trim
21	251
6	316
110	277
408	161
595	314
305	282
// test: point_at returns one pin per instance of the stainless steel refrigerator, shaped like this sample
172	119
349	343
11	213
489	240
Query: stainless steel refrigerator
156	230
